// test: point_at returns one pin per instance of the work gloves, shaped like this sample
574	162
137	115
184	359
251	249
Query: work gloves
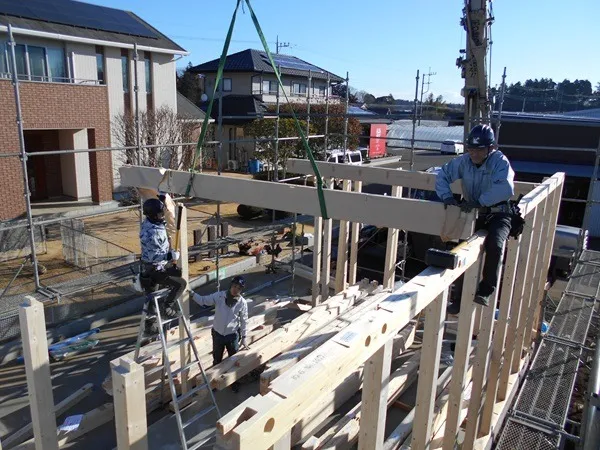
450	201
173	255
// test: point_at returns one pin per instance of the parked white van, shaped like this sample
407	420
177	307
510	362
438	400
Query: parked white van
352	157
452	148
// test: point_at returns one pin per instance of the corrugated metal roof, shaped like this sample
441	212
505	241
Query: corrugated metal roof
402	129
588	113
251	60
558	119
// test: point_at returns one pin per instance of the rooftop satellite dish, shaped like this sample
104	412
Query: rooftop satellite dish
204	97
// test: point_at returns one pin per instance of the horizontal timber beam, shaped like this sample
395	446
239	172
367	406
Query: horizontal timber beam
408	214
382	175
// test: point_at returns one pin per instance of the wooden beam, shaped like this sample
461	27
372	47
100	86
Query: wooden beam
326	250
341	272
37	370
428	370
184	348
317	256
284	443
354	233
407	214
130	405
508	285
516	303
462	351
374	399
391	249
381	175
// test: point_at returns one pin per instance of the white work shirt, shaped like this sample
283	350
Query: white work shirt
228	320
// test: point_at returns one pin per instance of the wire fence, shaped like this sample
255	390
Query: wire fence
15	242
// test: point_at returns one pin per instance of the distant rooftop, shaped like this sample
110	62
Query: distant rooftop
187	109
429	130
579	118
251	60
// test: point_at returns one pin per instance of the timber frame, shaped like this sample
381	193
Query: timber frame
492	375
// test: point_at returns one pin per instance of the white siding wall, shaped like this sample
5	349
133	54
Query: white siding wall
164	89
75	168
141	81
84	57
114	81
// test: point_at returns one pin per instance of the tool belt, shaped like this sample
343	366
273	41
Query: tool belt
517	223
502	207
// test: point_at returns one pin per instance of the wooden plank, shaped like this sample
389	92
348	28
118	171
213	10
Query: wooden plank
341	272
61	407
130	405
317	256
391	249
462	351
407	214
326	250
508	285
184	348
355	231
428	370
374	398
284	443
480	370
37	370
517	300
381	175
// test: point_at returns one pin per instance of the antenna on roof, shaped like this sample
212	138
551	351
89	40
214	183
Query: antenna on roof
281	44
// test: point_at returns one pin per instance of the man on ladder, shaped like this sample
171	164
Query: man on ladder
231	318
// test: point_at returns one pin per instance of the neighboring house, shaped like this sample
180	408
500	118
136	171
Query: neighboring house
75	62
250	85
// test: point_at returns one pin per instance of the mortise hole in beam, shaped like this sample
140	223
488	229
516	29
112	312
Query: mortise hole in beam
269	425
384	328
368	341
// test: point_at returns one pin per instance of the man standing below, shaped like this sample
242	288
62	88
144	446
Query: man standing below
231	318
488	184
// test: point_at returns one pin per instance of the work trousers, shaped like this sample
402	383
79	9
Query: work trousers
231	342
154	280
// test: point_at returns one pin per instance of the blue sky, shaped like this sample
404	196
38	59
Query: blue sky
382	43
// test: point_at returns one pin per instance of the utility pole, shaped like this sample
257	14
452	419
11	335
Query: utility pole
429	74
279	45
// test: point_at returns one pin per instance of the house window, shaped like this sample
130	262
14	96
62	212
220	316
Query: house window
298	88
4	70
37	63
125	70
100	64
226	84
269	87
56	64
322	90
148	71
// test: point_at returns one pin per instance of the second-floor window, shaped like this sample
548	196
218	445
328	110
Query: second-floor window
269	87
148	72
125	70
100	64
40	63
226	84
322	90
298	88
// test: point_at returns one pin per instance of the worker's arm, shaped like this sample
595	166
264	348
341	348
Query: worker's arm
445	177
502	187
206	300
243	322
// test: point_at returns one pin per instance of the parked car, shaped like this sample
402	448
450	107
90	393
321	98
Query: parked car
352	157
452	148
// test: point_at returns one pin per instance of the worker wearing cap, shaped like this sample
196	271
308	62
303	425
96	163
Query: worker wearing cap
231	318
488	184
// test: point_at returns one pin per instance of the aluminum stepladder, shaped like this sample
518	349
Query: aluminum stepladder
165	367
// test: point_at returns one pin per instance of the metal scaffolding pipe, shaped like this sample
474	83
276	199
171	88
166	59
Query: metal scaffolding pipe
591	413
27	193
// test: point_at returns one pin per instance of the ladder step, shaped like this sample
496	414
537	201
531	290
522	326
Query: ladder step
168	321
184	368
198	416
197	445
191	392
176	343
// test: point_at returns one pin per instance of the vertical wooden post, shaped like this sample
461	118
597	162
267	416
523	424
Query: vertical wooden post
37	371
461	354
317	256
185	299
326	267
130	404
212	236
522	281
537	242
391	250
355	227
428	371
284	443
341	270
480	368
373	410
508	283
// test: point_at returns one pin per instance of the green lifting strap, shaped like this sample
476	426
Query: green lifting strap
298	127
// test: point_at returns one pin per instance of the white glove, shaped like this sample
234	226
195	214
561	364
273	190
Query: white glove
174	255
244	344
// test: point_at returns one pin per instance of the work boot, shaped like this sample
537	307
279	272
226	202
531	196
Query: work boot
169	310
482	299
150	330
453	308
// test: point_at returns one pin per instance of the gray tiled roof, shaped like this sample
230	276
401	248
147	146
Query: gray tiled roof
250	60
187	109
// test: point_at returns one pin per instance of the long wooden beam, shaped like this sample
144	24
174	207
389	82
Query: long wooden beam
408	214
381	175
